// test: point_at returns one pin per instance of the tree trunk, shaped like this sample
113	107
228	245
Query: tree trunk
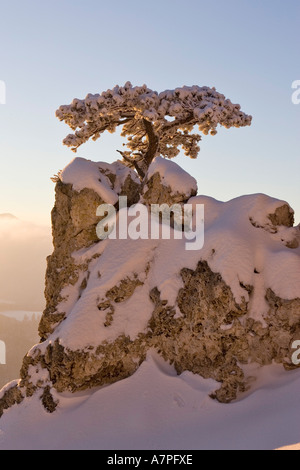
152	142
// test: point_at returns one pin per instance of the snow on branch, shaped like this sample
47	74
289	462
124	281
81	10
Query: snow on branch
154	123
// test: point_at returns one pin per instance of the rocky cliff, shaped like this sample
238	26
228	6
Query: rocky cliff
213	311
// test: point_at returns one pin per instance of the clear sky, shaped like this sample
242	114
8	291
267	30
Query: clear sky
53	51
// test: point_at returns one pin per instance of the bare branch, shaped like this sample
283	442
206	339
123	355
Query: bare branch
133	162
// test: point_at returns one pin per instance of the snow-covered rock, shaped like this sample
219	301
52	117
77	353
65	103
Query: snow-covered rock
108	180
212	312
167	183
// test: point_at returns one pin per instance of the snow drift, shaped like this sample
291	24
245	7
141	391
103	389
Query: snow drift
156	409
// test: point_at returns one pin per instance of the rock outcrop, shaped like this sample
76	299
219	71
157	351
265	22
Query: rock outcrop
212	312
163	185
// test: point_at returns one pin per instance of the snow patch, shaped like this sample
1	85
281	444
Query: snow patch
173	175
82	173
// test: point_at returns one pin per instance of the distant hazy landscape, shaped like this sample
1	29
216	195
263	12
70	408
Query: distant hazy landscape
19	332
24	248
23	251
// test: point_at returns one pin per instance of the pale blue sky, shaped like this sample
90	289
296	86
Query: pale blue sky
54	51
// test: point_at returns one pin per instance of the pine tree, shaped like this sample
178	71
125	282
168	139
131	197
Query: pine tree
154	123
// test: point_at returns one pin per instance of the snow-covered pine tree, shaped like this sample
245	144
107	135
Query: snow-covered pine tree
154	123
